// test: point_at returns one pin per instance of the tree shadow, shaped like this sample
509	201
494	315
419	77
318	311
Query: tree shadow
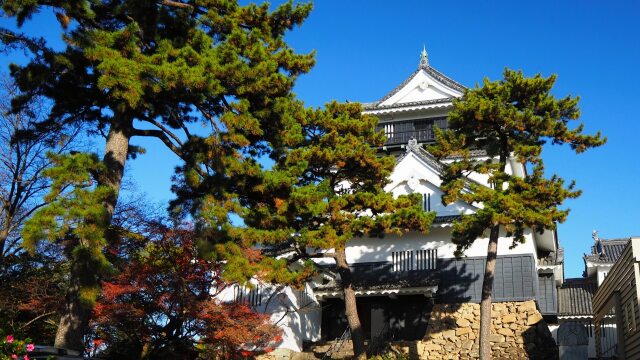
539	343
460	282
403	319
439	319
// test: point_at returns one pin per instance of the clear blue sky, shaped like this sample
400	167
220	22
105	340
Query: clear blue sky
365	48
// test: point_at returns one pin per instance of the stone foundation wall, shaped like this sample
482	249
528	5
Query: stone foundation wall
518	332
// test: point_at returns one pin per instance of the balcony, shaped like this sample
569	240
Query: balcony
400	132
401	138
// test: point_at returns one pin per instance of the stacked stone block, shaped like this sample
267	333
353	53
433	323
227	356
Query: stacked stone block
518	332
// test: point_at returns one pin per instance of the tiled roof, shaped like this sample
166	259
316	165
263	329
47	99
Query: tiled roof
472	153
375	106
380	276
612	249
433	73
279	249
574	297
426	156
423	154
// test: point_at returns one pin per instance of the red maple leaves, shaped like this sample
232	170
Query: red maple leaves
160	303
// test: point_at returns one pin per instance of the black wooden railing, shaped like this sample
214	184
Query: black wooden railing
400	132
397	138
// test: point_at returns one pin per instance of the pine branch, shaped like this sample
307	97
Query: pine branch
176	4
159	134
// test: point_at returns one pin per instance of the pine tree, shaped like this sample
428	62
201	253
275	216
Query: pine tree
22	185
156	69
323	190
512	119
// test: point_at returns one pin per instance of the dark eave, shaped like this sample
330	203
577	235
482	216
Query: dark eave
375	106
446	219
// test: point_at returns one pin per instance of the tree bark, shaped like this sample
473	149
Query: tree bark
350	307
487	288
75	319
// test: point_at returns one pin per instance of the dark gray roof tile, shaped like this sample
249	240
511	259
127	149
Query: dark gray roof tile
574	297
612	248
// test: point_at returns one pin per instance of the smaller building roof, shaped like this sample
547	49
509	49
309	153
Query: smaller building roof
574	297
610	252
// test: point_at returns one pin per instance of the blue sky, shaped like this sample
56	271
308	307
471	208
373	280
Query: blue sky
365	48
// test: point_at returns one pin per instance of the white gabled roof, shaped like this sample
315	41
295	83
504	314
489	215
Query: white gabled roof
422	86
425	88
418	171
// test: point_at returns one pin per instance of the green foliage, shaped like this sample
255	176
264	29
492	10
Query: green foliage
322	191
168	64
75	214
161	69
511	119
12	348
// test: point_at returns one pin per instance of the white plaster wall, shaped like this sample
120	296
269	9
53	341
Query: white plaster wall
602	273
299	317
367	249
427	188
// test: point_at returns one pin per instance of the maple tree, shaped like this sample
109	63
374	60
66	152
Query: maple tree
31	288
161	303
511	119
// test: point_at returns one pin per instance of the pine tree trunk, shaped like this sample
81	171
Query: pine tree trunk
75	319
487	288
350	307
